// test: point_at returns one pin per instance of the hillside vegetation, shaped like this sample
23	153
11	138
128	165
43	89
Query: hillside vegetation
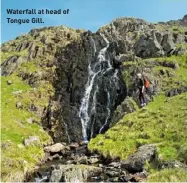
162	122
26	88
18	159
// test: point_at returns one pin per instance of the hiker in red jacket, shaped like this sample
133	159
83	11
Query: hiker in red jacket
141	87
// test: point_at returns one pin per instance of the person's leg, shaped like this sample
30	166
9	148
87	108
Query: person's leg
141	97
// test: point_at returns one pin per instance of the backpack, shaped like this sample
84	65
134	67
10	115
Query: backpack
146	83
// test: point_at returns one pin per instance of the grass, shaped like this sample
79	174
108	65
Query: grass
183	45
29	67
17	159
169	175
158	123
178	77
173	29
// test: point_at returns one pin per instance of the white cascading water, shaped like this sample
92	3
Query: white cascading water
93	71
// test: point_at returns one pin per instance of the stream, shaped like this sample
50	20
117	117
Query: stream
78	164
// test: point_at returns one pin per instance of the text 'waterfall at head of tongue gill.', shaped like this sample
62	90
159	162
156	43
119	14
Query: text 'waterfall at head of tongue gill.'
94	70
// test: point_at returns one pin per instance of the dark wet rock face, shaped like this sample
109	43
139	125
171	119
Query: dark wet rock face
89	87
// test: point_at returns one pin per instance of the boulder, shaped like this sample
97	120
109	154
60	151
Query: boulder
182	155
32	140
93	160
4	146
70	162
55	156
125	178
112	173
73	173
17	92
139	177
115	164
19	105
82	160
10	65
136	161
9	82
168	44
74	145
29	120
148	46
55	148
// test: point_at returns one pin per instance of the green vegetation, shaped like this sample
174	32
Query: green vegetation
159	123
172	78
178	29
184	45
162	122
168	175
29	67
174	28
18	159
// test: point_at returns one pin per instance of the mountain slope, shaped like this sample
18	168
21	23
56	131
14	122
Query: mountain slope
44	76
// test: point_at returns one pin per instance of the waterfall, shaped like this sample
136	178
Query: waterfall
96	71
83	113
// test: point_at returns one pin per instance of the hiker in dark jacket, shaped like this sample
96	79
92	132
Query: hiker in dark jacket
141	89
